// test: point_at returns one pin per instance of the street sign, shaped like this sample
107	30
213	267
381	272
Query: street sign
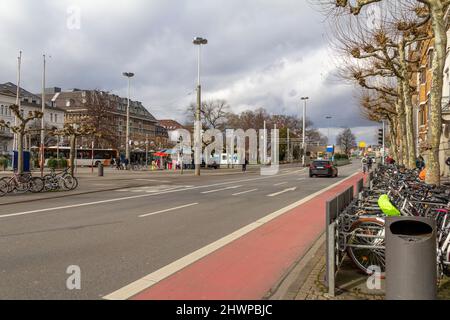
362	144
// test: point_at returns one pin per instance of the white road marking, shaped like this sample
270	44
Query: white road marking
280	184
167	210
281	192
301	179
153	278
222	189
244	192
136	197
152	180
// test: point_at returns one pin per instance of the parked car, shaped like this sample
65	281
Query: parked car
323	168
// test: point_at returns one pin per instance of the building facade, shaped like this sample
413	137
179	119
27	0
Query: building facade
29	102
108	113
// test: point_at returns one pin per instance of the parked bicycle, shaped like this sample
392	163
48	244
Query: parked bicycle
21	183
362	222
60	181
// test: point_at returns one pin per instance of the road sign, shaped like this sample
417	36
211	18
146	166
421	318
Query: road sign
362	144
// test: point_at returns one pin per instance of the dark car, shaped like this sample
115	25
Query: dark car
323	168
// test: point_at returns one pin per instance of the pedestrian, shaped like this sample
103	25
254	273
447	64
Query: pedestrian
244	165
369	163
364	164
420	163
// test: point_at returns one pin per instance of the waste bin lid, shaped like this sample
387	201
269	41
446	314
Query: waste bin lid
411	230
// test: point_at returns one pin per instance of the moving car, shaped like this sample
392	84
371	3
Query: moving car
323	168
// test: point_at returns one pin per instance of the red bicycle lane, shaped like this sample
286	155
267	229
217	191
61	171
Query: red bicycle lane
247	268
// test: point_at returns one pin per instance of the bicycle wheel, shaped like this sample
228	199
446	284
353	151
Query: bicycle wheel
70	182
20	186
36	184
367	245
4	186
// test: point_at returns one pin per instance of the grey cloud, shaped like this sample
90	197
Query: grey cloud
257	38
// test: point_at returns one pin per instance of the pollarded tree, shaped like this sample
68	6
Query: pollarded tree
21	129
427	10
73	131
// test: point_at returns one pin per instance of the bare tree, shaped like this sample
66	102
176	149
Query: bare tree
73	131
428	11
346	140
21	129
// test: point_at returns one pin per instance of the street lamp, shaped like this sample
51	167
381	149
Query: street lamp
329	118
304	99
198	41
129	75
180	143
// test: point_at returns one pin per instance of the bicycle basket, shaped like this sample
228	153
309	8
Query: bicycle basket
387	207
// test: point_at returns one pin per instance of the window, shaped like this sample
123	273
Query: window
51	117
56	117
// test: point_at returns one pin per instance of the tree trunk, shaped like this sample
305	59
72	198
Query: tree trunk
393	139
72	154
410	156
20	152
435	123
402	129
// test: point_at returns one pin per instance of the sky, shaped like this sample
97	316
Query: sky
260	53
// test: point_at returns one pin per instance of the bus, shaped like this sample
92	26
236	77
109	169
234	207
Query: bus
83	156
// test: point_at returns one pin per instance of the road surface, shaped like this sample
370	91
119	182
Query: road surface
117	237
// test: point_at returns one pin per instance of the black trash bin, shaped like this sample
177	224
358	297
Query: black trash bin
411	263
100	169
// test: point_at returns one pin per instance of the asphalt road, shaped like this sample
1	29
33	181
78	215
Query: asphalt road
117	237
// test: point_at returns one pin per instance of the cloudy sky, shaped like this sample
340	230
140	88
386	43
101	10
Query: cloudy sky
261	53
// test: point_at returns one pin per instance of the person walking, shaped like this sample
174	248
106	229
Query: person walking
244	165
364	163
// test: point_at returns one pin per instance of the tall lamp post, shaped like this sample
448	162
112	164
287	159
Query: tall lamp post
329	120
304	99
41	149
129	75
198	41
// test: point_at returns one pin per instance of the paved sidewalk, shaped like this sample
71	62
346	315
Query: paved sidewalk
306	281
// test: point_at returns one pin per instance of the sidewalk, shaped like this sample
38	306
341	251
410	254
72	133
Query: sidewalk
306	280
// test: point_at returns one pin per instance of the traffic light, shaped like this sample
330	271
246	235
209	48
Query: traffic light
380	137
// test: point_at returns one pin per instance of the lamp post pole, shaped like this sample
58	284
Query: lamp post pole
198	136
304	99
129	75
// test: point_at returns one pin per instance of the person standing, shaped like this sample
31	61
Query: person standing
420	163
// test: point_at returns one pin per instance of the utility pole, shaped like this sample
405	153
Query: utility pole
304	130
19	65
42	147
197	128
129	75
146	151
265	144
288	147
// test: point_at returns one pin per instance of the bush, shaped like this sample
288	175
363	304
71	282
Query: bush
340	156
3	163
62	163
52	163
